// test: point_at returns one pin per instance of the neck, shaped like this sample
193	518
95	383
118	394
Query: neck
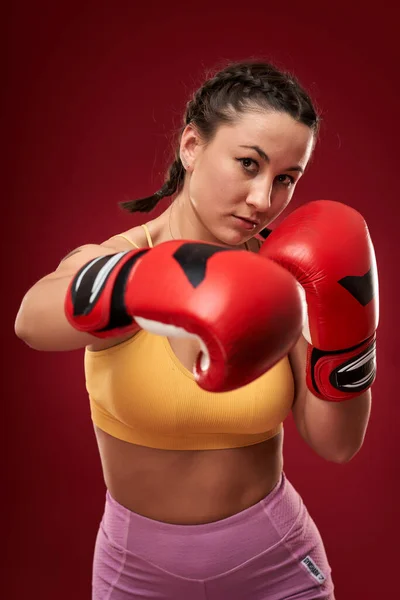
185	223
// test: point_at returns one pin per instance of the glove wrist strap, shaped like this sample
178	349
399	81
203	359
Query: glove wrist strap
341	375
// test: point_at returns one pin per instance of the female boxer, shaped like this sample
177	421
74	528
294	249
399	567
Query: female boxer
188	414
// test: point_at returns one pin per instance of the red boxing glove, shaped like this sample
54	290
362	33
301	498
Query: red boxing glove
327	247
246	311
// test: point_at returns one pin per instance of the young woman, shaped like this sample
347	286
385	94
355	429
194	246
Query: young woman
197	504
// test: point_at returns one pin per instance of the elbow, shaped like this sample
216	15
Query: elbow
332	450
23	331
20	329
342	456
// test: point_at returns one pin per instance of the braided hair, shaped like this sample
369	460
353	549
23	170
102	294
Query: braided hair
238	87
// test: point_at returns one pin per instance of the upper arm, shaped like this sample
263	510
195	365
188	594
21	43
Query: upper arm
298	359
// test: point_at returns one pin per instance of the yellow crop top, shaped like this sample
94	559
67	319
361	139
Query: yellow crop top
140	392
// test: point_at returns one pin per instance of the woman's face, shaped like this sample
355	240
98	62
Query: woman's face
249	170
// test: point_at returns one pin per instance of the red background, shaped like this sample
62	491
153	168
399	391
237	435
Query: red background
91	94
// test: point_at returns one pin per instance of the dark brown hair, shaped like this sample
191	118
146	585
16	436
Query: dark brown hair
237	88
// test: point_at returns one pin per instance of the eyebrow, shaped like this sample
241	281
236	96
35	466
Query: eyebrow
266	158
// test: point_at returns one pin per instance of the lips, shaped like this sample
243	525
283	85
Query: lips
246	224
252	221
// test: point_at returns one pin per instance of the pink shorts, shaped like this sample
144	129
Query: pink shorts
270	551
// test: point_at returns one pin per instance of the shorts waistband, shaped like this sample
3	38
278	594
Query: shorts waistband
267	505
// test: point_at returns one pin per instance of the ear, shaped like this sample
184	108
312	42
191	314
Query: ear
190	145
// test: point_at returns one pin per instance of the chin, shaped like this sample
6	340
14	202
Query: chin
230	237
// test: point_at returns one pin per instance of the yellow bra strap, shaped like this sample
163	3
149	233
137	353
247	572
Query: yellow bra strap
148	236
149	240
127	239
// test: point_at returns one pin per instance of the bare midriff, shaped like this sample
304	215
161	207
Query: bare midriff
189	487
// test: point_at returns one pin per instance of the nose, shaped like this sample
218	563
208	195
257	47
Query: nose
260	198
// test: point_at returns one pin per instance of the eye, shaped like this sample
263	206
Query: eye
246	164
286	180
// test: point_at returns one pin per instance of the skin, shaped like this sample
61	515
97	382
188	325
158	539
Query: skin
222	179
225	178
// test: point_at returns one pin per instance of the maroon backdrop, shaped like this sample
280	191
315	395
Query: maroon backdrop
92	93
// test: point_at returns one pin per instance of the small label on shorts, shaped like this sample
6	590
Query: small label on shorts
313	569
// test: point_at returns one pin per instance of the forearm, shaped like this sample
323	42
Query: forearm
334	430
41	322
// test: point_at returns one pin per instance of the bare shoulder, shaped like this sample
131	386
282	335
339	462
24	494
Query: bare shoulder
118	242
126	240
